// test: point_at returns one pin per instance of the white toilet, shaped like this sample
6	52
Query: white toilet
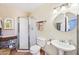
35	50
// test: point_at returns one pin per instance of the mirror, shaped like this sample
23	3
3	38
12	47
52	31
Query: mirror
65	22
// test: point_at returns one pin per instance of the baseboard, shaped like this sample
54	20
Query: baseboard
22	50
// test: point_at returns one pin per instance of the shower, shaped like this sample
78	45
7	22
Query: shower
27	32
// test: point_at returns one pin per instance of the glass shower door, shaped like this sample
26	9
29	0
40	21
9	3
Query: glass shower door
23	33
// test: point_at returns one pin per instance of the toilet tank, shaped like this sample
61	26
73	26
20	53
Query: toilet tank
41	41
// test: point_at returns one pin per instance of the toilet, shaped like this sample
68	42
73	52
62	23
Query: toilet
35	49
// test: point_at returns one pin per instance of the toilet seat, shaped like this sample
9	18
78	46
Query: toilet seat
35	49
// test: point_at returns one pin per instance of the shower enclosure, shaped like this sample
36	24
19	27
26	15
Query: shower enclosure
78	35
27	33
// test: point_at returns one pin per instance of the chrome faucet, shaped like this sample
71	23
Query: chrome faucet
62	41
70	41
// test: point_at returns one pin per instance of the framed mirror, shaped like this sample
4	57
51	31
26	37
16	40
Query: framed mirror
65	22
8	23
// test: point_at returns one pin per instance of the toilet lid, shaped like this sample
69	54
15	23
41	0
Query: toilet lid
35	48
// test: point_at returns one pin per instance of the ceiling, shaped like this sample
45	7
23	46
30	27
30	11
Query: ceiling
25	6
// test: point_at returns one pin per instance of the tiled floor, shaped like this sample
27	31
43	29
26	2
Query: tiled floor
14	52
7	51
4	51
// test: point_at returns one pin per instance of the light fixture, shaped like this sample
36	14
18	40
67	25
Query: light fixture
63	8
74	4
55	11
0	22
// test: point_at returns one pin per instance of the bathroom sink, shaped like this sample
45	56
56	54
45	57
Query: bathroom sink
63	46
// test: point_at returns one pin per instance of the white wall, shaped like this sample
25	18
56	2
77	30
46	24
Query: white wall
13	13
46	13
10	12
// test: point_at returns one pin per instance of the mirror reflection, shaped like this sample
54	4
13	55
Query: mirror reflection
65	22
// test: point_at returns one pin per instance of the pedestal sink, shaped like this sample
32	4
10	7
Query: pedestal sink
62	46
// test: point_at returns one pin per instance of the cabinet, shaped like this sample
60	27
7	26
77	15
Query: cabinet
7	41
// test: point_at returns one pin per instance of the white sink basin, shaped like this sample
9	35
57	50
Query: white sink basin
62	45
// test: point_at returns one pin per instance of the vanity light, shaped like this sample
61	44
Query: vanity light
55	11
60	8
74	4
63	8
0	22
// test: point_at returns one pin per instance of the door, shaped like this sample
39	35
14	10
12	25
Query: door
33	32
23	33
